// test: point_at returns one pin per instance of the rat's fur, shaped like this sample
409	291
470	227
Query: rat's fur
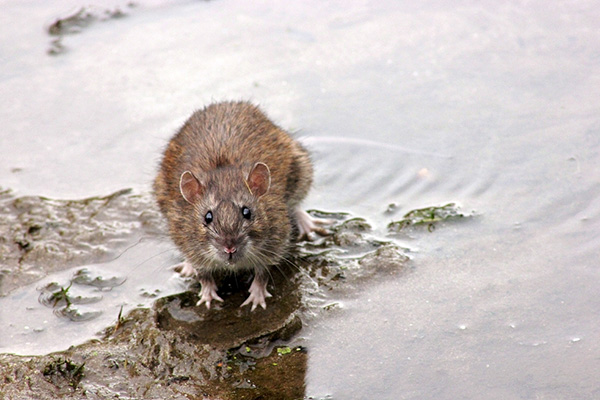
220	147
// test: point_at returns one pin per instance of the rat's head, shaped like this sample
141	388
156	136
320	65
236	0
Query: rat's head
228	213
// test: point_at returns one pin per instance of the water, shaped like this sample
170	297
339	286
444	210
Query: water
42	322
492	105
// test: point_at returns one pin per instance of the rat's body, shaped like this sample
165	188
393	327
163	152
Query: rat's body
230	185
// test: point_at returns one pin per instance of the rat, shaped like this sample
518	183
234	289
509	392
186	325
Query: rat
230	185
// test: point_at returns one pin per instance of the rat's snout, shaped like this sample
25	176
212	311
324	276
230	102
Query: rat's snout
229	247
229	244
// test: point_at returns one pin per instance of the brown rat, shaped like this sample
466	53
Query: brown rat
230	186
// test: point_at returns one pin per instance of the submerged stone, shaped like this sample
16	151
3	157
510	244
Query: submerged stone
227	325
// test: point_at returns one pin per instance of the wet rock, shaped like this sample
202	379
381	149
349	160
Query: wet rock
136	361
286	368
342	261
227	325
140	360
386	260
63	370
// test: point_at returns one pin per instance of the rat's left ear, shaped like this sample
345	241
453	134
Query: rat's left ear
259	179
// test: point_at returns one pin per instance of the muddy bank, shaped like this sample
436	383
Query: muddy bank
176	349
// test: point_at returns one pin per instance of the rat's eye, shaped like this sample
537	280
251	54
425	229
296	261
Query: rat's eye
208	217
246	212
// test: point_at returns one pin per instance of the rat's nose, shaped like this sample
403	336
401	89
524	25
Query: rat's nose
230	249
229	245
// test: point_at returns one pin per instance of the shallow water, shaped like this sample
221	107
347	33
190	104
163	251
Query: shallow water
42	322
494	106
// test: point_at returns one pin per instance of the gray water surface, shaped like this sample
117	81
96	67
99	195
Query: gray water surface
492	105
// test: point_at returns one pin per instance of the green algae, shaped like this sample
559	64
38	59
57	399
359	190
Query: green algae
428	216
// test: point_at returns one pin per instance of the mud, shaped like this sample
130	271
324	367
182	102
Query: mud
176	349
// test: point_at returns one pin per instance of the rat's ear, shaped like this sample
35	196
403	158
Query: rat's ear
259	179
190	187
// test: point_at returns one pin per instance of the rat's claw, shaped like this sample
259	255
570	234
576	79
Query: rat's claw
208	292
258	294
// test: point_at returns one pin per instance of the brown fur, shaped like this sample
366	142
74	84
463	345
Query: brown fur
220	145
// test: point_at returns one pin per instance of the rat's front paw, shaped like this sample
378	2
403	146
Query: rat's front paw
258	295
185	269
308	224
208	292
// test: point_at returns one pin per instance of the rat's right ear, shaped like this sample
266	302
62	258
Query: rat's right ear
190	187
